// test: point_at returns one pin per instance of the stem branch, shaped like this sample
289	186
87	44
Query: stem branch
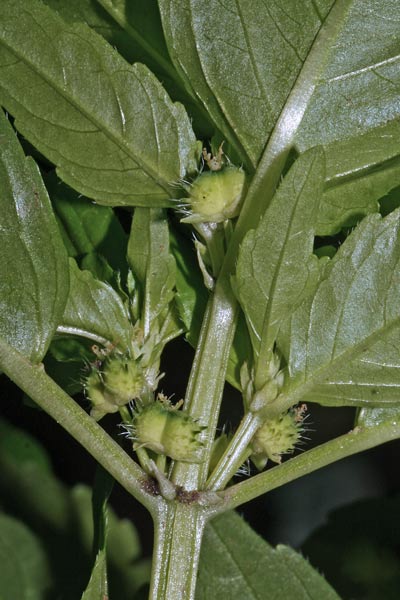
33	380
355	441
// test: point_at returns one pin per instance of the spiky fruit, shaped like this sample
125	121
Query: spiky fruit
277	437
215	195
116	382
123	379
166	430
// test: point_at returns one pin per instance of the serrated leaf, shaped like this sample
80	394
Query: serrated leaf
153	266
95	310
236	563
25	571
359	171
367	566
344	339
359	88
110	127
33	261
276	265
235	55
90	12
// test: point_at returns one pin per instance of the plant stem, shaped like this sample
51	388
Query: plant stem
207	379
33	380
355	441
178	534
236	453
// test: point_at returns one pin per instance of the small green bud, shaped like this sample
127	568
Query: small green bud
102	403
277	436
123	378
166	430
216	195
114	383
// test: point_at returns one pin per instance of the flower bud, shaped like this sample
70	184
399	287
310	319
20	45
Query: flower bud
114	383
215	195
276	437
166	430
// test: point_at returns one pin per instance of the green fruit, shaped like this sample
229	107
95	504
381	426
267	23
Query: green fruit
123	378
276	437
118	381
166	430
216	195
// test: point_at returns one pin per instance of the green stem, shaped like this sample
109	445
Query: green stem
355	441
207	379
236	453
33	380
178	534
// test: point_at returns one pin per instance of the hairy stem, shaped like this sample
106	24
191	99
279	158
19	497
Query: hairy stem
355	441
33	380
178	534
236	453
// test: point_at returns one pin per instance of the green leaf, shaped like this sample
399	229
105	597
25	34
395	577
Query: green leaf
95	310
97	588
140	20
367	566
33	261
153	266
191	301
110	128
276	266
90	12
371	417
236	563
359	171
87	228
359	88
192	296
344	339
24	572
242	60
20	447
98	585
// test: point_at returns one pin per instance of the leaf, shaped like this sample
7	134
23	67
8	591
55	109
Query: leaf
359	88
344	339
25	572
87	228
192	296
371	417
276	266
20	447
98	585
95	310
97	588
153	266
367	566
110	128
236	563
90	12
359	171
33	261
242	60
191	301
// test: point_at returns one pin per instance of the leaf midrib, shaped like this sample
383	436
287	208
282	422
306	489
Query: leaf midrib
89	116
270	335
